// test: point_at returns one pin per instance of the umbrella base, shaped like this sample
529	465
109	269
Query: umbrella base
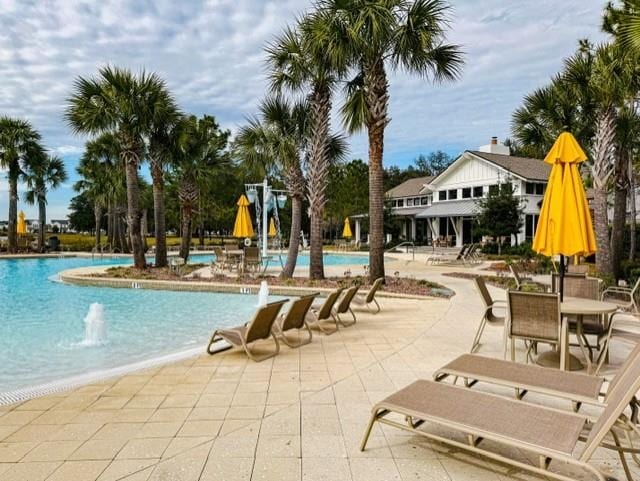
552	359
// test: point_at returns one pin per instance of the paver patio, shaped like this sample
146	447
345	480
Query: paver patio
299	416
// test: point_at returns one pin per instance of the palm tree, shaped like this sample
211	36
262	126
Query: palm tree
623	20
159	153
125	104
380	35
44	173
101	179
19	142
200	153
297	67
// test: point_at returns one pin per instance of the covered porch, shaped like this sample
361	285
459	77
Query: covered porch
451	223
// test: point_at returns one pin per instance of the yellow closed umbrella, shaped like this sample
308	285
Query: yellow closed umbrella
272	228
22	224
243	226
565	225
346	232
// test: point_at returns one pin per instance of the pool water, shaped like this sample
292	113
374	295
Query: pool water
42	321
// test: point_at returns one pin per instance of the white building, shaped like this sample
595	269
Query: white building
448	203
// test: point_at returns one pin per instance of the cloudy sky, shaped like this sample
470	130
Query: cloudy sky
211	54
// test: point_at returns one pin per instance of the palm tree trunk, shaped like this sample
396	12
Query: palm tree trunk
632	227
185	241
377	98
110	226
13	213
144	230
318	174
619	213
97	215
294	237
133	210
42	221
159	221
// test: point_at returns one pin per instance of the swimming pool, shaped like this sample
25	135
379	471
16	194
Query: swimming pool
42	321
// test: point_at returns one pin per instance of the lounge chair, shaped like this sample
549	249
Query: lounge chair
489	316
549	434
369	298
576	387
260	327
295	318
625	297
344	305
324	312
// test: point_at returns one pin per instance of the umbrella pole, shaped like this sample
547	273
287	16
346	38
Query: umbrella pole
561	277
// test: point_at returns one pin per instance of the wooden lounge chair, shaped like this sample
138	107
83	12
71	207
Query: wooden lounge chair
625	297
552	435
369	298
259	328
576	387
344	305
324	312
488	316
295	318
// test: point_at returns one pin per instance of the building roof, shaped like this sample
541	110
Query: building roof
408	212
526	167
409	187
451	208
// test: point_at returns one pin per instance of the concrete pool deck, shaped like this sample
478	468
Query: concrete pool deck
299	416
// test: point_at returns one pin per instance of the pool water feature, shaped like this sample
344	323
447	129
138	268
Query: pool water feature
42	322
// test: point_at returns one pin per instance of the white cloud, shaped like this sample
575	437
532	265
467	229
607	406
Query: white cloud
211	54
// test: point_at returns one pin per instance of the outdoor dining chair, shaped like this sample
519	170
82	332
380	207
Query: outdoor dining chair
625	297
521	282
534	317
251	259
488	316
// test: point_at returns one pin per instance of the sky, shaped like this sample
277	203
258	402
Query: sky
211	54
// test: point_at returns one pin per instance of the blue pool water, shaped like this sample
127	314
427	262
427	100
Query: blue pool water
42	327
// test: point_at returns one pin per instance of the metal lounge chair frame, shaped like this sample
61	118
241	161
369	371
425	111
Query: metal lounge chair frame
550	434
344	305
370	297
295	318
324	312
259	328
488	316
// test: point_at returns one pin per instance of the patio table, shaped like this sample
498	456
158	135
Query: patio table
578	307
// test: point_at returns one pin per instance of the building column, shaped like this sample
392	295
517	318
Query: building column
358	231
413	229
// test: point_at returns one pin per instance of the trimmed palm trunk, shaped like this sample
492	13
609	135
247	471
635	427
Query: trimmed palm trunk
602	169
133	209
632	227
318	174
42	221
294	237
159	225
377	98
619	213
13	212
97	215
188	196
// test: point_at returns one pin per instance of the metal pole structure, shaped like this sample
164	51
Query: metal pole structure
265	217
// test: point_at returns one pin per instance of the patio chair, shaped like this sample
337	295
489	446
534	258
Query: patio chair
488	316
534	317
625	297
259	328
622	327
295	318
551	435
343	306
251	259
521	282
318	314
582	269
221	261
369	298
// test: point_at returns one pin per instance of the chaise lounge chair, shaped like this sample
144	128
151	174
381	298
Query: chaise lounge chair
370	297
576	387
549	434
260	327
295	318
344	305
324	312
